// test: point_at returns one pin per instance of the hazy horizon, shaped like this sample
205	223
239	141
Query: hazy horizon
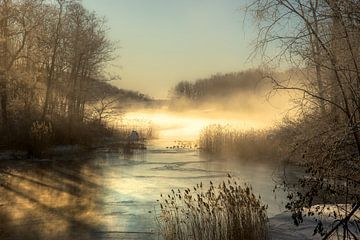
163	42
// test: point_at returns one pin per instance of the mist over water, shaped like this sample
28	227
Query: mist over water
186	125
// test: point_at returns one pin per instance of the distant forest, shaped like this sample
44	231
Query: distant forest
246	90
221	85
124	96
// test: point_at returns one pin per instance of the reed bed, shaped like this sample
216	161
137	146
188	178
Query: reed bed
142	127
246	144
227	211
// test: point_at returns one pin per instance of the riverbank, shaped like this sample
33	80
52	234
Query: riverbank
111	144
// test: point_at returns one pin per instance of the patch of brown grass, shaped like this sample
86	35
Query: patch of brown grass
224	212
245	144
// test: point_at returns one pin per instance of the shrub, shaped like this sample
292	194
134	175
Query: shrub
228	211
40	136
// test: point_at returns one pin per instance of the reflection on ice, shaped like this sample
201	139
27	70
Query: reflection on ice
109	194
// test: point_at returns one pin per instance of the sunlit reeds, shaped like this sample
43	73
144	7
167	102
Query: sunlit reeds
246	144
226	211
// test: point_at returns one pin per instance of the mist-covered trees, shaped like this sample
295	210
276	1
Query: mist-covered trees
319	39
50	52
219	85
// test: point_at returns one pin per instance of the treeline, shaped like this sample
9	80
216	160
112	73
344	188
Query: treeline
124	95
220	85
50	54
123	98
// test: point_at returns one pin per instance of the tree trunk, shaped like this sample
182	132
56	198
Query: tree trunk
51	70
4	101
4	66
335	44
317	57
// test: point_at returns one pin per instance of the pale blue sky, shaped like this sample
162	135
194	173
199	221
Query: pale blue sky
166	41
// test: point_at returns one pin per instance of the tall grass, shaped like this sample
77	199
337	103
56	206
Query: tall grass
38	138
144	128
35	136
246	144
228	211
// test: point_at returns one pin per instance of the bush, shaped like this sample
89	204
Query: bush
41	133
228	211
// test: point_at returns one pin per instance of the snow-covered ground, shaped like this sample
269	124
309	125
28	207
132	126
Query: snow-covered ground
282	227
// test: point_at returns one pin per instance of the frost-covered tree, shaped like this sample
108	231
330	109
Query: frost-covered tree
320	40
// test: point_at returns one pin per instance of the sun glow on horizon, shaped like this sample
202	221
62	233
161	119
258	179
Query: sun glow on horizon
187	125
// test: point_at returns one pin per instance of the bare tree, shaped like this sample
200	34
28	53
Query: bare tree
4	67
321	37
49	52
18	23
55	39
104	108
89	50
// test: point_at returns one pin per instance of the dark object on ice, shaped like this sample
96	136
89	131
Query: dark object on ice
134	136
135	142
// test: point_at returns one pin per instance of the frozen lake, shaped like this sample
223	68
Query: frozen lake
107	194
